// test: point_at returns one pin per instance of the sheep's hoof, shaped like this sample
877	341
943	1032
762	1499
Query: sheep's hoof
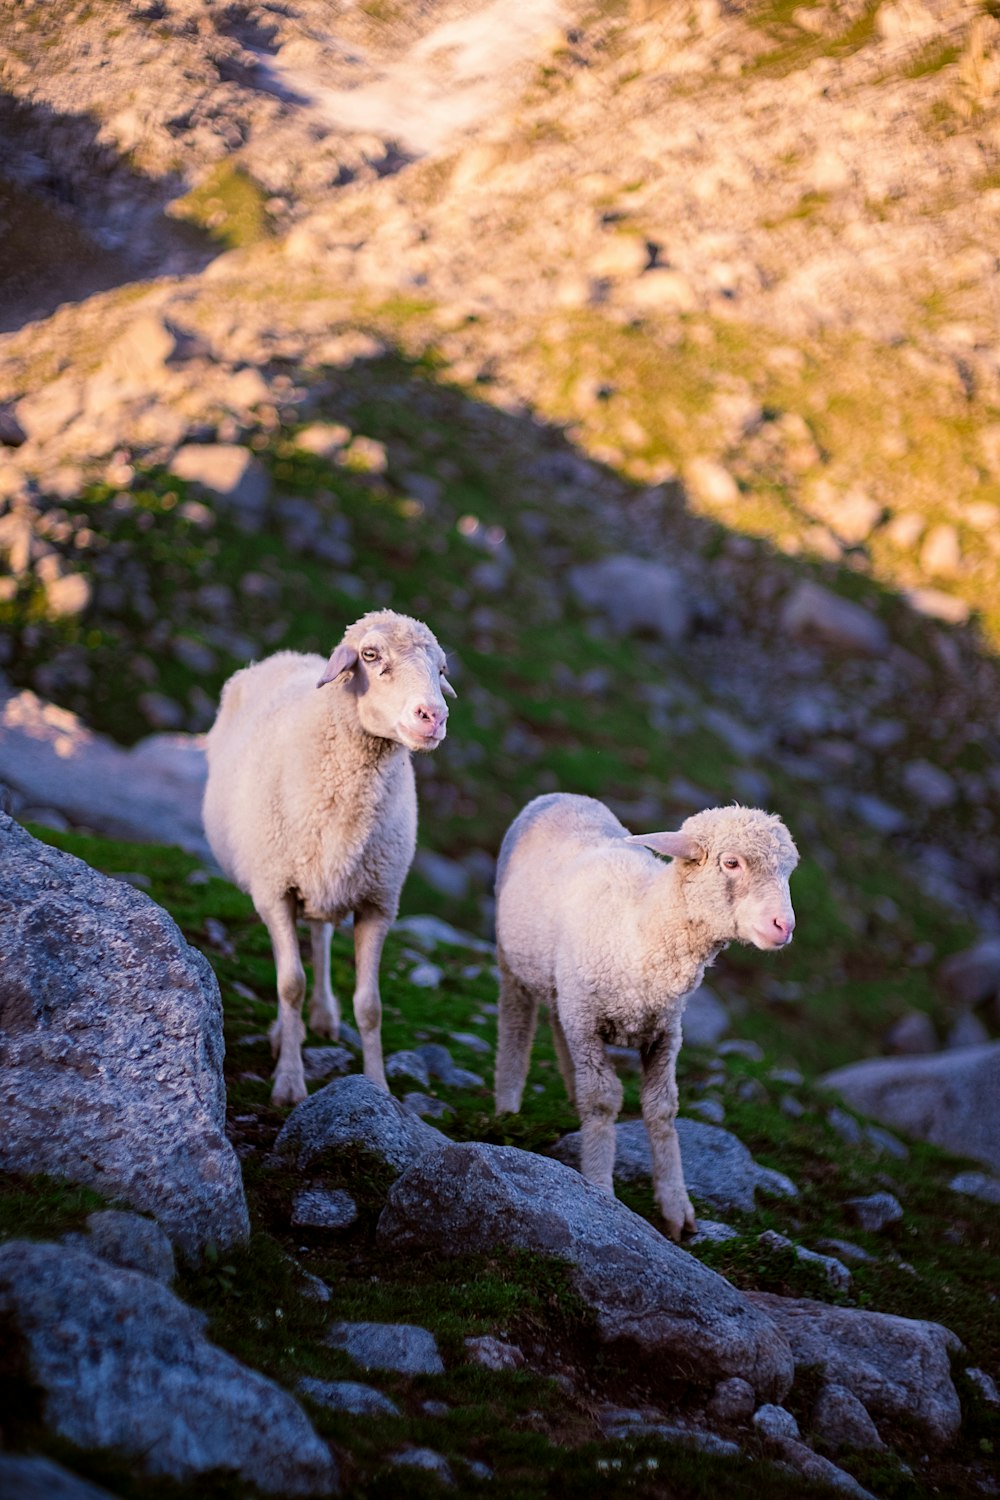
321	1024
288	1091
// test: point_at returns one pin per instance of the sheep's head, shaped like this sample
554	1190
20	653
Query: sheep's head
396	670
735	863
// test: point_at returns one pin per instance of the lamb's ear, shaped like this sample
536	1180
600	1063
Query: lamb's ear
447	688
340	667
677	845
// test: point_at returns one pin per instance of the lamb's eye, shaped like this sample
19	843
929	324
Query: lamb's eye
730	864
369	654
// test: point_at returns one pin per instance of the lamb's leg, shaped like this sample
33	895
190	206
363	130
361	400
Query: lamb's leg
370	928
659	1111
563	1057
598	1100
324	1012
516	1023
288	1030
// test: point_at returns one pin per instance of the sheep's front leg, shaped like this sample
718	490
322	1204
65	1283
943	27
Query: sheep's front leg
324	1012
517	1020
370	928
288	1030
598	1100
659	1111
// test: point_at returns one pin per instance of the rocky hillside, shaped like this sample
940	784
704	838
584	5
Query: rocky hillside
649	352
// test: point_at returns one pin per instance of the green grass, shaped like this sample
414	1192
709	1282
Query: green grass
228	205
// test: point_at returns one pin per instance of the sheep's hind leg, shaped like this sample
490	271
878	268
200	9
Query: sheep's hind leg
516	1025
563	1055
324	1011
288	1030
659	1111
370	928
598	1100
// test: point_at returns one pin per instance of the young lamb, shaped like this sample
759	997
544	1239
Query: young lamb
613	941
311	807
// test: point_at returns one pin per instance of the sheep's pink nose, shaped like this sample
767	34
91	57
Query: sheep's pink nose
428	718
785	926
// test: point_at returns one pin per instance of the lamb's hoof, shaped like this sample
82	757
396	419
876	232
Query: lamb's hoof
325	1026
288	1091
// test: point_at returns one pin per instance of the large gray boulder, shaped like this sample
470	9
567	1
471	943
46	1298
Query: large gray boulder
644	1291
354	1115
896	1367
123	1364
949	1100
111	1047
51	760
718	1168
635	595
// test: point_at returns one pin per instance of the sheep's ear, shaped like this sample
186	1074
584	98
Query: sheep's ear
677	845
447	688
340	667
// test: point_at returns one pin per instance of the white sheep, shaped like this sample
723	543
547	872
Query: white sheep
613	940
311	807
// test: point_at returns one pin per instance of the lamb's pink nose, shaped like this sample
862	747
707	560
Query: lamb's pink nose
428	719
784	927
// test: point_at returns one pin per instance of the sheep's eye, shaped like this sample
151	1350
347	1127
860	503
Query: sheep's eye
730	864
369	654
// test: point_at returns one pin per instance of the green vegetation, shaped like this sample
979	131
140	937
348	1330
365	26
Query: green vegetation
228	204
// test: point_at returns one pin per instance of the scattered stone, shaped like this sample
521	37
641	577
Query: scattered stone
635	595
642	1289
442	1066
966	1031
123	1364
706	1019
428	931
106	1014
878	814
710	1110
349	1396
494	1354
230	474
912	1035
426	1459
818	1470
813	613
984	1384
977	1185
839	1419
125	1239
845	1125
947	1099
409	1065
444	876
718	1168
886	1143
738	1046
929	785
898	1367
834	1270
471	1040
775	1422
320	1063
733	1400
402	1347
845	1250
322	438
711	1232
973	975
426	976
24	1478
354	1113
711	482
426	1106
323	1208
937	605
874	1212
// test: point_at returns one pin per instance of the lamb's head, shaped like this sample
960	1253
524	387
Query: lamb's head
396	671
735	866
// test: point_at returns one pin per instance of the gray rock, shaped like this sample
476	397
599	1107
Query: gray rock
354	1113
426	1459
470	1039
984	1384
388	1346
977	1185
813	613
897	1367
710	1110
642	1288
323	1208
874	1212
348	1395
834	1270
445	876
839	1419
622	1424
718	1168
111	1047
409	1065
845	1125
885	1143
705	1020
635	595
442	1066
24	1478
845	1250
741	1046
711	1232
493	1354
775	1422
972	976
932	787
426	976
319	1063
947	1099
427	1106
967	1030
733	1400
123	1364
428	931
152	792
128	1240
818	1470
912	1035
879	814
227	472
